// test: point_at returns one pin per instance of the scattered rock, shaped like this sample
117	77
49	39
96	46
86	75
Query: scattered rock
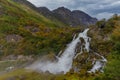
9	68
17	57
24	58
13	38
34	30
28	27
47	30
12	78
9	57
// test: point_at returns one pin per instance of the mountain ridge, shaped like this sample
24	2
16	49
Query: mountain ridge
63	15
26	35
72	18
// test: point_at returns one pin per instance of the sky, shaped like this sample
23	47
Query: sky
95	8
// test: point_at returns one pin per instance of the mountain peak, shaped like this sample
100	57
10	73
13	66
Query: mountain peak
63	15
75	17
62	10
79	13
44	9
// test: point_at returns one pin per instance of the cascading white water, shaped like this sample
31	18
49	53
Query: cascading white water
64	63
98	64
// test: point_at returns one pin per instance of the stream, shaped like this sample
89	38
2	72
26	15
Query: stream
65	60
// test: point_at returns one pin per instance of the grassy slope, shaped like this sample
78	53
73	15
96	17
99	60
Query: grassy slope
111	49
15	18
111	71
14	21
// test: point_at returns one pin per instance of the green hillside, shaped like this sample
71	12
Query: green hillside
107	42
24	31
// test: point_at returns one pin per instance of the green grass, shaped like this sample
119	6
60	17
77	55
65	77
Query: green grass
10	63
51	37
112	69
23	74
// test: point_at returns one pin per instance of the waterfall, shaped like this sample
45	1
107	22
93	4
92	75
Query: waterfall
98	65
65	58
64	63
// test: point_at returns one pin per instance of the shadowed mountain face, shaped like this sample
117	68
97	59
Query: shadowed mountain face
71	18
25	2
83	17
46	12
63	15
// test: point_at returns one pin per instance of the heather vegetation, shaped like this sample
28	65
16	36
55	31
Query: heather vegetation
109	45
23	31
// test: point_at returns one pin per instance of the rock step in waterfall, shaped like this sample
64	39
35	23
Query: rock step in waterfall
64	62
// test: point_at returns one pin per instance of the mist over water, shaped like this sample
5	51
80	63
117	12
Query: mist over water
64	62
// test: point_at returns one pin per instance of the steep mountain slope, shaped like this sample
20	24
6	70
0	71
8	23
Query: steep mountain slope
25	31
105	41
63	15
83	17
71	18
43	11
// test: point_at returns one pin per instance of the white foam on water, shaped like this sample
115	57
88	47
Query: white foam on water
64	63
98	64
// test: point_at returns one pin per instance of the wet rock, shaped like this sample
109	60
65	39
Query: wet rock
79	48
82	40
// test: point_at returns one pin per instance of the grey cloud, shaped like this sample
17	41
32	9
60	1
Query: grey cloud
93	7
